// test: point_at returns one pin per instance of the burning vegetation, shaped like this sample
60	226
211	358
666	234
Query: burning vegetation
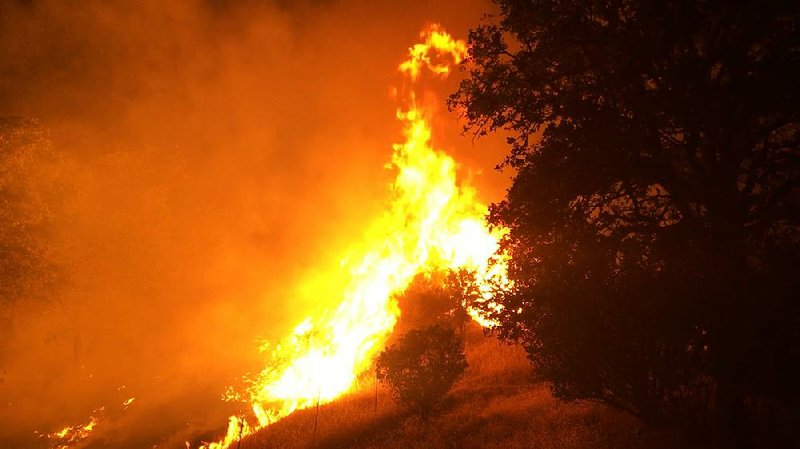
433	223
188	201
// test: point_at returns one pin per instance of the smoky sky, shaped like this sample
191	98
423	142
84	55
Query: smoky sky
214	159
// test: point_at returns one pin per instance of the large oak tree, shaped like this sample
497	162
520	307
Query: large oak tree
654	215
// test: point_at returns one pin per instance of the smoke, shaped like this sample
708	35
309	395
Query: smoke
215	160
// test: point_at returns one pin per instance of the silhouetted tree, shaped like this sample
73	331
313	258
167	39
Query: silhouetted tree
25	215
438	297
463	292
424	302
422	367
653	216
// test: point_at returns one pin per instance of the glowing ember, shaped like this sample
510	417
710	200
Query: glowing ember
433	223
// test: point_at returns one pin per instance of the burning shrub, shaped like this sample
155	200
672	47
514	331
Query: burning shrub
422	367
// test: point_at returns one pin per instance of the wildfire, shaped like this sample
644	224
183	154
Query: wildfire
439	41
71	435
433	223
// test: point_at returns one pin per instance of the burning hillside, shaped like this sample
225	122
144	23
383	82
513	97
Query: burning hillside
433	222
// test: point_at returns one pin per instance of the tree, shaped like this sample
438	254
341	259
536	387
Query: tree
437	297
654	216
424	302
26	269
422	367
464	292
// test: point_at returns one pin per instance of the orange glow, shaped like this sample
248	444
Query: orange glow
432	223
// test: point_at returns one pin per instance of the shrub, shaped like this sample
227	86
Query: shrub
422	367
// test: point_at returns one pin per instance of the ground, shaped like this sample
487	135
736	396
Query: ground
499	404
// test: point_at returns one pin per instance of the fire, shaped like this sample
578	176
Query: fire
433	223
71	435
420	54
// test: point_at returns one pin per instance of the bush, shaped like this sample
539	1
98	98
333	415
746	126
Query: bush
422	367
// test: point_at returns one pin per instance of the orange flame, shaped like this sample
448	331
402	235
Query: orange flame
433	223
71	435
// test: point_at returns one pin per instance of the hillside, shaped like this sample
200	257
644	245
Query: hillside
499	404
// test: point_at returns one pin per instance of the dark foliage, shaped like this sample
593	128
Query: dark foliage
21	223
655	214
464	293
437	298
422	367
25	217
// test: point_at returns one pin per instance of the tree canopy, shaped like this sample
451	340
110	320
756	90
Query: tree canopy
654	213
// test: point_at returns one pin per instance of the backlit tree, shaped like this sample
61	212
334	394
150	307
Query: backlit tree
655	213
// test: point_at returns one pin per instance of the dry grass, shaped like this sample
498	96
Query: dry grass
499	404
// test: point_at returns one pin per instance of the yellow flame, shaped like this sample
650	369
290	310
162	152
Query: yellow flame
71	435
441	42
433	223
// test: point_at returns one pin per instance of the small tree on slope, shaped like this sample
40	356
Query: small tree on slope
422	367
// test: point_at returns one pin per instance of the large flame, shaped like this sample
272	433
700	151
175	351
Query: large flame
433	223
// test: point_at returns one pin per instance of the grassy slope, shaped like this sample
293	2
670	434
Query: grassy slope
499	404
